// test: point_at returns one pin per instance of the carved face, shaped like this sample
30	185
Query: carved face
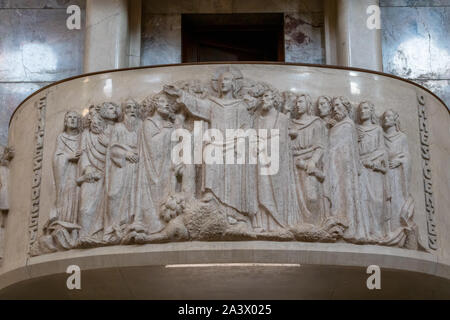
162	106
302	105
72	120
324	107
110	112
96	123
340	111
226	82
267	100
131	109
365	112
389	119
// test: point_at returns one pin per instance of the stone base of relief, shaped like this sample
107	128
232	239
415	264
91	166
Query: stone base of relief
325	169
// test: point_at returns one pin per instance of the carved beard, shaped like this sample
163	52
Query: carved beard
97	126
130	122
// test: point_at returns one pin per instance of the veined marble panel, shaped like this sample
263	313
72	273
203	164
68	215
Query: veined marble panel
161	39
416	42
230	6
11	94
35	45
303	38
40	4
414	3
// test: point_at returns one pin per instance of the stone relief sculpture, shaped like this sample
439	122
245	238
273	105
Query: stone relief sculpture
275	193
6	155
122	172
308	142
374	187
340	175
343	169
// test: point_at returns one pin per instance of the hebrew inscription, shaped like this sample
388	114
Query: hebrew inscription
426	165
229	159
37	171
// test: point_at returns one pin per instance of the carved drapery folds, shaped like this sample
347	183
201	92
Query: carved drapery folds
342	173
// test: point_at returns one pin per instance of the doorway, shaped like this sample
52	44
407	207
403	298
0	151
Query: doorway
232	37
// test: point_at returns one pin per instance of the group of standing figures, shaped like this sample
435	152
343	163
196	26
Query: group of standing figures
344	173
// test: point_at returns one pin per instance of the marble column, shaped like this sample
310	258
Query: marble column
357	45
107	36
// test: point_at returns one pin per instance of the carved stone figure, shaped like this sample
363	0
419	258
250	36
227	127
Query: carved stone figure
156	177
228	183
315	177
325	110
290	99
92	173
342	169
122	173
374	189
275	192
403	231
308	141
6	155
65	168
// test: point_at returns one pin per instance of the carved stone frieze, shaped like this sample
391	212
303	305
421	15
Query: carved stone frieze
230	159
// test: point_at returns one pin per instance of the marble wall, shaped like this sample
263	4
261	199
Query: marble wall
36	48
161	26
416	42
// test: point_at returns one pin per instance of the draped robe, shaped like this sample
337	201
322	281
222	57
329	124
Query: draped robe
122	178
232	184
275	193
342	181
93	193
156	178
373	183
66	173
309	144
399	177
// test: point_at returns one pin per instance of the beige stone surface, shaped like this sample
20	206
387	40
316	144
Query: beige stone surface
78	94
107	39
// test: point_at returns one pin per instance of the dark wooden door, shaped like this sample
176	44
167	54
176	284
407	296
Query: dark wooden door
232	37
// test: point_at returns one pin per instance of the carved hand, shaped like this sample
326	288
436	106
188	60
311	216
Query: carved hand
132	157
368	164
172	90
293	134
75	157
331	123
310	167
394	164
9	153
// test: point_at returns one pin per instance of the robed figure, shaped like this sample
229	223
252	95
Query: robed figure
122	181
65	169
231	185
156	179
308	141
399	173
342	169
374	187
92	173
275	187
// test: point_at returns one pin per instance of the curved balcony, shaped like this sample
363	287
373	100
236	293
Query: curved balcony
361	179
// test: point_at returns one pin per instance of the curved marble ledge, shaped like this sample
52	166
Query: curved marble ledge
38	121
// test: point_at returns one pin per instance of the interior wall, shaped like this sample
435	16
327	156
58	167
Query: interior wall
161	26
36	48
416	42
